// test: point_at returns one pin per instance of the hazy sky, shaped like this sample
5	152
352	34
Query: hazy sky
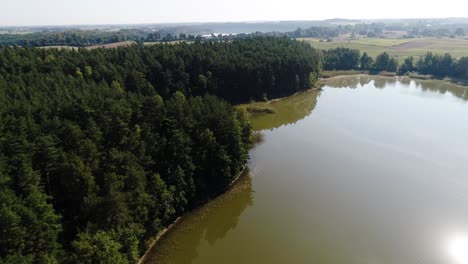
52	12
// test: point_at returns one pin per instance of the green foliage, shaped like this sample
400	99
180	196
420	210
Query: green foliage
442	66
431	65
317	32
97	248
341	59
385	62
79	38
350	59
461	68
366	62
99	150
437	65
407	66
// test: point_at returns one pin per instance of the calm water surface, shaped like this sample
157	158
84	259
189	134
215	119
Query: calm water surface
368	170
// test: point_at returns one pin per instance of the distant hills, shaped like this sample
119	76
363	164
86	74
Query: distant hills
233	27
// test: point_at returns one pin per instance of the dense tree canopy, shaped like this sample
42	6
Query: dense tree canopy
78	38
341	59
100	149
407	66
436	65
439	66
85	38
351	59
384	62
366	62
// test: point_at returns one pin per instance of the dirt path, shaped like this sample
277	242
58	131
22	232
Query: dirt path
412	45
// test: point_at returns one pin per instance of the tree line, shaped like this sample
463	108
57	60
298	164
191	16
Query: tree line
85	38
439	66
325	30
100	149
371	30
351	59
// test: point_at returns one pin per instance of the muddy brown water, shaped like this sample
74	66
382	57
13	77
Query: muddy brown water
368	170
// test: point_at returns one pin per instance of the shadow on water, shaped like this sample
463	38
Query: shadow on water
213	232
348	81
287	111
209	223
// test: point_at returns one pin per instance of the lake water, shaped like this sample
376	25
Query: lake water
369	170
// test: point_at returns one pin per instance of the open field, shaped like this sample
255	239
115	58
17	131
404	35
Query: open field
58	47
15	32
106	46
113	45
400	48
168	42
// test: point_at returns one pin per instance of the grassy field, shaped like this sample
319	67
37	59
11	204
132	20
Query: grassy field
15	32
106	46
170	42
400	48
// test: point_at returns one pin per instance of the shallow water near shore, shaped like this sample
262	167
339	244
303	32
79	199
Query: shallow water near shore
366	170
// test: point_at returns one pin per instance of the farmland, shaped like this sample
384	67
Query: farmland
106	46
399	48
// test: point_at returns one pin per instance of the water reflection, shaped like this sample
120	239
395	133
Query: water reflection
288	111
209	223
373	176
349	81
381	82
442	87
301	105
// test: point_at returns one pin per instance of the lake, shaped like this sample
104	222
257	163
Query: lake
366	170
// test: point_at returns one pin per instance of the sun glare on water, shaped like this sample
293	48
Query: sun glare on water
458	249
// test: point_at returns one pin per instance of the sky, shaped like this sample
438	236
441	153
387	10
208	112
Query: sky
77	12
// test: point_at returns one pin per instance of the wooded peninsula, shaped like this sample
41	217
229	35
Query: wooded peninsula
101	149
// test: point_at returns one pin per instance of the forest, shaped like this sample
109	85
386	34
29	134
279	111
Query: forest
85	38
76	38
101	149
351	59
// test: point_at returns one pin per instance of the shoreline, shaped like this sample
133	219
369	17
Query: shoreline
321	80
413	76
159	236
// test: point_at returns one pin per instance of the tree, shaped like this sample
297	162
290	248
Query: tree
384	62
407	66
436	65
341	59
100	149
29	225
460	32
97	248
461	68
366	62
